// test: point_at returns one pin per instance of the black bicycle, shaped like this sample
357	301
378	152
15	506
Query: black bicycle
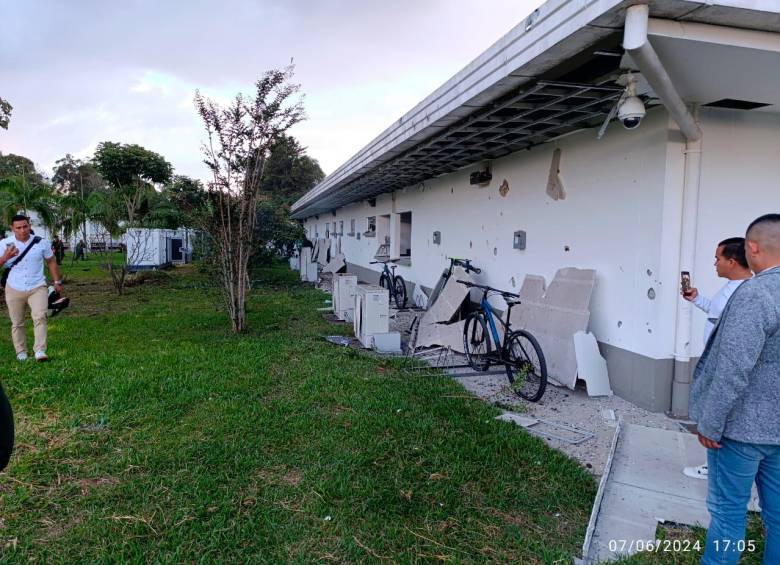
392	282
520	353
445	276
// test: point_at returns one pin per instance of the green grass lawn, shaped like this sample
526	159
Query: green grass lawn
154	434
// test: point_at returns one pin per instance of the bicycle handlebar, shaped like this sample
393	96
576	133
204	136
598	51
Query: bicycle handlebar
486	288
466	264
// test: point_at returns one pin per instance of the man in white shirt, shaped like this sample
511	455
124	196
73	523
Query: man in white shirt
731	264
27	285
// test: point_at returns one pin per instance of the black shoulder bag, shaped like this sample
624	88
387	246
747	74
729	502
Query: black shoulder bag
7	269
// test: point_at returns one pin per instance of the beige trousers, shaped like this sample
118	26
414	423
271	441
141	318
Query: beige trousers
38	299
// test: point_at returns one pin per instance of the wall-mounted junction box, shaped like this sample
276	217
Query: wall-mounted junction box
519	240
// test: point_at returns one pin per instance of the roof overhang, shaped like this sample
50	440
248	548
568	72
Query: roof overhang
523	91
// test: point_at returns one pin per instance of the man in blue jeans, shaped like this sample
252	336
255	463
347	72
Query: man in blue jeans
735	402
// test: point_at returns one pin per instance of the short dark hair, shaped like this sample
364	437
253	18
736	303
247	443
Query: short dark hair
765	219
19	218
734	248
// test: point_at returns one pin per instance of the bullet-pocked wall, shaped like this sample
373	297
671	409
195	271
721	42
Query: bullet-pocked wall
740	181
621	216
609	221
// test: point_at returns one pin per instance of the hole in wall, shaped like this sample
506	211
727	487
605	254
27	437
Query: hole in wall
620	324
566	248
651	293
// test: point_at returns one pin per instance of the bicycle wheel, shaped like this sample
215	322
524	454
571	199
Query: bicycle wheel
400	292
476	342
6	430
384	281
526	368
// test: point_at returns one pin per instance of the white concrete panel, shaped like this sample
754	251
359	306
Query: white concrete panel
591	366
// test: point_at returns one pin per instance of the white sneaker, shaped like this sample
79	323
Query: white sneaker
21	356
41	356
699	472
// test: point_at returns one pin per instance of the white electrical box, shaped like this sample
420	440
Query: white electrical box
305	259
344	291
295	263
372	309
312	272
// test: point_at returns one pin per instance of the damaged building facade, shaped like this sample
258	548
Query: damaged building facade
503	165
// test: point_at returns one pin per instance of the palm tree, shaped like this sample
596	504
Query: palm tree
18	194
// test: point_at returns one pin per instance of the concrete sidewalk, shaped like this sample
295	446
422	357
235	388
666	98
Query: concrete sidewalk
645	486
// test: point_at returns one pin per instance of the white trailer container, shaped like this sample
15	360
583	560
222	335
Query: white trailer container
148	249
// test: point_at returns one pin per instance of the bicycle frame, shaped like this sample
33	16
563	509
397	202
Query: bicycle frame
492	317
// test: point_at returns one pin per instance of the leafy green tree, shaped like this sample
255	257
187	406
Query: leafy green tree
19	194
5	113
12	165
289	172
129	200
75	179
132	173
23	189
188	197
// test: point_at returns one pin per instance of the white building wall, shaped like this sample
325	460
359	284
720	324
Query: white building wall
609	221
740	181
621	216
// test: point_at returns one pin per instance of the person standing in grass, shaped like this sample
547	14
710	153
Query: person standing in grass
58	247
734	402
730	264
26	284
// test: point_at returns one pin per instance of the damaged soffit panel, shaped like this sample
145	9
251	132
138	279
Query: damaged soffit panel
555	34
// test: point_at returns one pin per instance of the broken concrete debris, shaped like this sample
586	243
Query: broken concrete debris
591	366
555	189
554	315
335	265
439	325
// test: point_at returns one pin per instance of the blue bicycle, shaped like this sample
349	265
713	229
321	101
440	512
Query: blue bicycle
519	352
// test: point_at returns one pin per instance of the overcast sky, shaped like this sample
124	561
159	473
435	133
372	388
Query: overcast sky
84	71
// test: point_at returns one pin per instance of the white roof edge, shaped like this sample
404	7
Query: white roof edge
546	27
553	21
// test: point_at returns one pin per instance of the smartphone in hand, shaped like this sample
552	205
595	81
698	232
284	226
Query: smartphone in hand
685	282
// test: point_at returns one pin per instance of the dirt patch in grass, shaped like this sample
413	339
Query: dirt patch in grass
87	485
281	476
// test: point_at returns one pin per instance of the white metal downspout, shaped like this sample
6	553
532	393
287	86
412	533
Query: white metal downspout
637	45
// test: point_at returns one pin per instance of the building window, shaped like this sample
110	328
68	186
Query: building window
341	227
406	234
370	227
352	227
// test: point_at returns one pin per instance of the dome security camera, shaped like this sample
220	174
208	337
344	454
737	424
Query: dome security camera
631	109
631	112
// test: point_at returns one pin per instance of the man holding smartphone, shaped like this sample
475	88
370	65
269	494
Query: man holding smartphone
734	399
731	264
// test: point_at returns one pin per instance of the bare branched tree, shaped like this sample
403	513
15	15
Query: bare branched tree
240	137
